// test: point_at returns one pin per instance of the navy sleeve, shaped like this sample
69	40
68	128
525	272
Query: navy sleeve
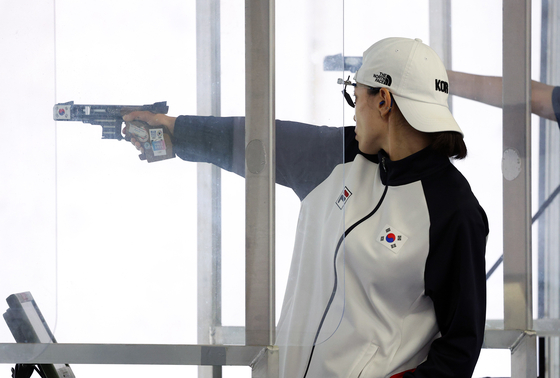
455	276
305	154
216	140
556	103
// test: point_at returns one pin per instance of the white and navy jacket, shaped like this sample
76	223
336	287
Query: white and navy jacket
388	270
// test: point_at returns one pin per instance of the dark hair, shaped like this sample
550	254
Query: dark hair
373	91
450	143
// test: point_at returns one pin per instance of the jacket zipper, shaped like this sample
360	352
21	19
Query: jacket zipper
335	286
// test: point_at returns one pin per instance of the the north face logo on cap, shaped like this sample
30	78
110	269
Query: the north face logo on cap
383	78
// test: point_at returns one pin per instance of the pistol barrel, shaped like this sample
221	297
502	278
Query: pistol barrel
107	116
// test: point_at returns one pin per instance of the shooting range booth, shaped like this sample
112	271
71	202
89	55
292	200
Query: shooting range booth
179	268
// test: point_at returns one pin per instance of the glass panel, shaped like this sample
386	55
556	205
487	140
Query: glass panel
232	16
28	193
307	92
356	40
107	243
126	229
482	125
487	174
481	121
545	201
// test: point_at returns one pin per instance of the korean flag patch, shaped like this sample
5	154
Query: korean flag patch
391	238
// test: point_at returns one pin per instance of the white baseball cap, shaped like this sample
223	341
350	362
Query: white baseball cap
416	77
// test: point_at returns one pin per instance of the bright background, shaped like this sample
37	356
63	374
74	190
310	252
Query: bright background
107	243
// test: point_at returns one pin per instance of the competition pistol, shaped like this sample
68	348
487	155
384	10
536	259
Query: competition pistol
155	140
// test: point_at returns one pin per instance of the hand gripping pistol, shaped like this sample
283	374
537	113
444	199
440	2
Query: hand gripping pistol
155	140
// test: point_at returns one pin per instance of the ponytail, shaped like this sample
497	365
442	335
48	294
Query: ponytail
450	143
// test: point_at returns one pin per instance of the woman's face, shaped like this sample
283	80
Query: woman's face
371	131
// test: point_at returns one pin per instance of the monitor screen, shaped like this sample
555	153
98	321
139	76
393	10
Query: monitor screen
27	325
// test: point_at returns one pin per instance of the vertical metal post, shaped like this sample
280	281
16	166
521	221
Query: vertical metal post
209	272
266	365
523	356
440	29
549	179
517	164
518	312
440	32
259	172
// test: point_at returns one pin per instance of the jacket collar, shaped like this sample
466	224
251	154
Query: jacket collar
412	168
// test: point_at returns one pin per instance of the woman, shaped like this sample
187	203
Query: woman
388	275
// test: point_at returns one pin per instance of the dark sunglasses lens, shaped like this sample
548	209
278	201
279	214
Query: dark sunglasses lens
348	98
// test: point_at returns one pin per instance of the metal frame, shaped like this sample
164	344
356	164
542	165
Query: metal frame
440	30
262	360
260	169
549	179
131	354
209	212
517	333
258	353
440	33
517	159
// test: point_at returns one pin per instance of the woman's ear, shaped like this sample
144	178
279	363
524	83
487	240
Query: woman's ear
386	102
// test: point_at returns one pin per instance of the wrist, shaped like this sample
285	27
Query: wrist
167	121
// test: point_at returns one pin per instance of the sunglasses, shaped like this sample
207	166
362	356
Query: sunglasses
345	94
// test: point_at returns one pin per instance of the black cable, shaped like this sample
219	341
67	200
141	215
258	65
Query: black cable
335	286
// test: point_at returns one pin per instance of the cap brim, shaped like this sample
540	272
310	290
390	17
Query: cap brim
427	117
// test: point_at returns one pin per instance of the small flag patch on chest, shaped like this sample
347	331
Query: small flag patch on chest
391	238
343	197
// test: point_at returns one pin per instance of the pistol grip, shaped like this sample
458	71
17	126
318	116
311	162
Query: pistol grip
155	140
